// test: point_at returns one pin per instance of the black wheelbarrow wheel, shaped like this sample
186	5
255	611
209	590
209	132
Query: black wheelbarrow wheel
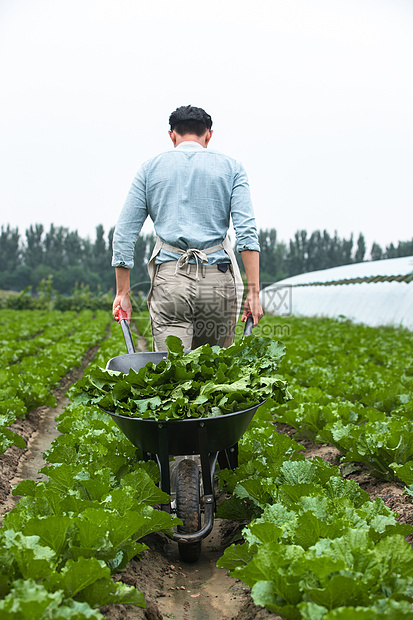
188	507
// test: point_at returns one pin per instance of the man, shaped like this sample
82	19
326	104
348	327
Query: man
190	194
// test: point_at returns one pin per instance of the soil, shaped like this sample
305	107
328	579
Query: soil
198	591
172	588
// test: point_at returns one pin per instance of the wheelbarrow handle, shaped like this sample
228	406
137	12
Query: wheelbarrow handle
123	320
249	323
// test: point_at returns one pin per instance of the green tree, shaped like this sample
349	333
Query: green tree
9	255
296	259
334	250
361	249
272	257
316	254
99	252
268	240
391	251
9	248
33	253
143	250
376	253
405	248
54	247
75	250
347	250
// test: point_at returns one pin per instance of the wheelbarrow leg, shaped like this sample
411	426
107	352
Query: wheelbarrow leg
228	458
207	464
163	462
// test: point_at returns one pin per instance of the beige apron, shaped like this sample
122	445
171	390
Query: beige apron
225	245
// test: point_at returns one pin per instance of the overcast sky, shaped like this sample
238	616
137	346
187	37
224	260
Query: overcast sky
314	97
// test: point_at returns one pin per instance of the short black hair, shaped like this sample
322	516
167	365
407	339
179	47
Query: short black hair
188	119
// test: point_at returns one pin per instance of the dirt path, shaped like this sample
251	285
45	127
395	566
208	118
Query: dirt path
26	465
174	589
202	591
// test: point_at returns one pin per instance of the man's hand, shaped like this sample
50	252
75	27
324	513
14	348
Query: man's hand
250	258
122	301
252	304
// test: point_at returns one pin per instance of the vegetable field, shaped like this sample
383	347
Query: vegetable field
311	543
37	349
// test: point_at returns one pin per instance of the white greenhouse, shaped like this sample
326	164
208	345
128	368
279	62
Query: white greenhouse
375	293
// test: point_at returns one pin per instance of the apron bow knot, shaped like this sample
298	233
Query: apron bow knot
185	257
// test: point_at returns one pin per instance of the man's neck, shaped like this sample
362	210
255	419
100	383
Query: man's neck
190	138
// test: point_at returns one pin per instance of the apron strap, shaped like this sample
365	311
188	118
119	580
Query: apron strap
172	248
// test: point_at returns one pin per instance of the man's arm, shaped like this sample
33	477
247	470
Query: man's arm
250	259
245	227
122	299
128	227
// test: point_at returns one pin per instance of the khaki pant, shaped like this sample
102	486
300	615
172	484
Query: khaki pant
198	312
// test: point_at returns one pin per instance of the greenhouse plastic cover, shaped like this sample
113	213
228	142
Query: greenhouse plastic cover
372	303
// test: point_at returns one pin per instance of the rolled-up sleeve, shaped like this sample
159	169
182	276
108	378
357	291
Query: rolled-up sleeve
242	213
130	222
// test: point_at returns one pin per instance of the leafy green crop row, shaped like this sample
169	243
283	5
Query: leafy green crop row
26	385
353	388
20	325
317	548
64	539
54	327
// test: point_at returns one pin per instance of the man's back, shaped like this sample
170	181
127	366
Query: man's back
190	193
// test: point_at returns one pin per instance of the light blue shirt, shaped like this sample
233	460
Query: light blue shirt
190	193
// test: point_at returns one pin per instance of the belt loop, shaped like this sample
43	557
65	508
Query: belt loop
203	270
188	269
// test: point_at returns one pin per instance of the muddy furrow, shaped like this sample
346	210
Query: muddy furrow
175	589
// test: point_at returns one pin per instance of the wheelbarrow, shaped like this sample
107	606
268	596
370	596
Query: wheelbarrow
213	439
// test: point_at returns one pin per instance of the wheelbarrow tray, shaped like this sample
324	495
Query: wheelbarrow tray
182	435
222	431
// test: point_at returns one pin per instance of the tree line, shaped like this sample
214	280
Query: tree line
27	260
318	250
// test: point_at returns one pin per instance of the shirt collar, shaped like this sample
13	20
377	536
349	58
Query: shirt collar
189	143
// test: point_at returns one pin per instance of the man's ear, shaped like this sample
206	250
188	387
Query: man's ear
208	136
172	135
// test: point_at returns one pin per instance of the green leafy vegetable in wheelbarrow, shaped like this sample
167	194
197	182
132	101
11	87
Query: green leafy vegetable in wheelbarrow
208	381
